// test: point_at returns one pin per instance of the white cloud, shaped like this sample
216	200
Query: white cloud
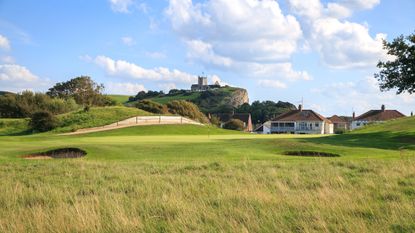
242	31
4	43
129	41
361	95
272	84
156	55
7	59
278	70
166	87
17	78
340	43
15	73
216	78
126	88
121	6
123	68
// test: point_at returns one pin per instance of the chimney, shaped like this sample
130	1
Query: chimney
300	107
354	115
383	108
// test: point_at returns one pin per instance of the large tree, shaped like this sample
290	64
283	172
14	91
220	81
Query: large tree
83	89
400	72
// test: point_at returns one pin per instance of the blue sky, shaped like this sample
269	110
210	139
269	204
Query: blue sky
322	51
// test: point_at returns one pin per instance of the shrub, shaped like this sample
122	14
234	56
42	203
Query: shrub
234	124
151	106
187	109
26	103
214	120
42	121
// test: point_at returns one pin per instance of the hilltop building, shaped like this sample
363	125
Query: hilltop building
300	121
202	84
375	116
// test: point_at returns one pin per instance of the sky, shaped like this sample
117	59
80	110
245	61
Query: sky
318	52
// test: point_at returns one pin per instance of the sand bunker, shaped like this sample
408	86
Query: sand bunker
310	154
62	153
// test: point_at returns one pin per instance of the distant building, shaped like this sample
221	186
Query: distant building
340	123
375	116
299	121
202	84
244	117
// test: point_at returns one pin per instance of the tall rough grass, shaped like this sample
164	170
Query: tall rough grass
246	196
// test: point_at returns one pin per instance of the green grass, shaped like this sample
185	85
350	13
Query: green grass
119	99
13	126
96	116
181	179
166	99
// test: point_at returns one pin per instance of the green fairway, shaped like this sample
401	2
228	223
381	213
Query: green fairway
119	99
188	178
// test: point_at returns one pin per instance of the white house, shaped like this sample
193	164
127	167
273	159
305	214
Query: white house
375	116
299	121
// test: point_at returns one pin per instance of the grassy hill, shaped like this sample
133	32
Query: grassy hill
180	179
119	99
395	135
211	101
96	116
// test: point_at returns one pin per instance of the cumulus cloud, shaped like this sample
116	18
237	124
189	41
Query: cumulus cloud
129	41
361	95
224	33
126	88
253	38
123	68
340	43
4	43
17	78
121	6
271	84
166	87
216	78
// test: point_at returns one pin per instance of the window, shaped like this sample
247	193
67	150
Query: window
317	125
358	124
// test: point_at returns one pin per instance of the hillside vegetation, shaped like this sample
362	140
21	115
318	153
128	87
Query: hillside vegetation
96	116
222	99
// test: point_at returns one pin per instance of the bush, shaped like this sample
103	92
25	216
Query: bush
42	121
214	120
26	103
151	106
234	124
187	109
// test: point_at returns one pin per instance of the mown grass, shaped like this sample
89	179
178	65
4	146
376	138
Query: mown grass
119	99
13	126
180	179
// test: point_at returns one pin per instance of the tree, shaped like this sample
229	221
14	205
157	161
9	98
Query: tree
43	121
399	73
151	106
83	89
234	124
187	109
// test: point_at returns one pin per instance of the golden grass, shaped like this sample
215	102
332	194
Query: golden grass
247	196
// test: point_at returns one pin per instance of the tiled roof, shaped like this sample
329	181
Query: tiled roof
379	115
301	115
337	119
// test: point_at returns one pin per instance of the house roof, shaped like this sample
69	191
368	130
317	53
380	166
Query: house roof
337	119
301	115
225	117
379	115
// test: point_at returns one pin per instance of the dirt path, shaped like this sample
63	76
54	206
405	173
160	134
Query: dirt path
139	120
